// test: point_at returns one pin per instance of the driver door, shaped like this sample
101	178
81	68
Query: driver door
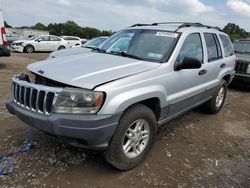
42	43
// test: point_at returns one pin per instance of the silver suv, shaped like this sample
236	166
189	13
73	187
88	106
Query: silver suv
113	98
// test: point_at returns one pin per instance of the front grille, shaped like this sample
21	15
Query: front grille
241	67
34	97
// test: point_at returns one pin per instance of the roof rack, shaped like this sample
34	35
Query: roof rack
139	25
181	25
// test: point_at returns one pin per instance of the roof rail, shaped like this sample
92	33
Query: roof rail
139	25
181	25
198	25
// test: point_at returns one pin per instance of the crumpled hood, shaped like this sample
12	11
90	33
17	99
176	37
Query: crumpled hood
70	51
19	41
243	57
90	69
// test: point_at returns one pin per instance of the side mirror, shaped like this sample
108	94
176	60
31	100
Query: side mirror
188	63
38	40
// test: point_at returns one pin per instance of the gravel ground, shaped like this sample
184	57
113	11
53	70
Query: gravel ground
195	150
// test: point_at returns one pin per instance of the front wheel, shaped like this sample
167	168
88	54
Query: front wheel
61	48
133	138
214	105
29	49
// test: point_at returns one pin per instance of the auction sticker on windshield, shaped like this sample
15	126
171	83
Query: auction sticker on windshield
166	34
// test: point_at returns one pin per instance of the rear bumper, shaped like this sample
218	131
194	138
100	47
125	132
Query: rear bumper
88	131
241	80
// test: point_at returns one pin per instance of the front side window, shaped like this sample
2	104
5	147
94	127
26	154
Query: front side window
44	38
53	38
191	48
144	44
227	45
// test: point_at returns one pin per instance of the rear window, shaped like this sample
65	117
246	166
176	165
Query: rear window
227	45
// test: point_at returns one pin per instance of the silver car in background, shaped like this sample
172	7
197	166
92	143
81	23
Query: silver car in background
87	47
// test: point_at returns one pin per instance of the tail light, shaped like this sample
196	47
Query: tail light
3	33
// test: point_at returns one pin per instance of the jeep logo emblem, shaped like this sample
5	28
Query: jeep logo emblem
41	71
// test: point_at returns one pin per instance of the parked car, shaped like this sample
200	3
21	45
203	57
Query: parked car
84	40
114	100
87	47
4	51
242	67
73	41
94	42
40	43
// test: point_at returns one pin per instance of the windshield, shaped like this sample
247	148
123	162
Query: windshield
32	38
242	47
94	42
149	45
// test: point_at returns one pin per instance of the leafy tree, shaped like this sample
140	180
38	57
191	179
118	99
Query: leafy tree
39	26
70	28
234	31
7	25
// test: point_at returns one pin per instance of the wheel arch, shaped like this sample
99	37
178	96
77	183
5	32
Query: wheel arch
24	48
153	97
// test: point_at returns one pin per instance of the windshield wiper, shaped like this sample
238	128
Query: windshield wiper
98	50
124	54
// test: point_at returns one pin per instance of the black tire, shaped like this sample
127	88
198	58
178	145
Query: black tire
115	154
61	47
29	49
211	106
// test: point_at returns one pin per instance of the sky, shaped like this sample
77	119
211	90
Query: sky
118	14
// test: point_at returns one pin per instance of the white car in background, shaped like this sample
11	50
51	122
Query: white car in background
87	47
73	41
47	43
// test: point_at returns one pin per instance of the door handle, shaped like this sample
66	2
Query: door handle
222	65
203	72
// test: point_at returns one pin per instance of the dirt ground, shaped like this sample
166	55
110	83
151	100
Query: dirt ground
195	150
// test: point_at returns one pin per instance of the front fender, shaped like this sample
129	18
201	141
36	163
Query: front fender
120	102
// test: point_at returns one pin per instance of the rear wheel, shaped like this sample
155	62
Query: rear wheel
133	138
61	48
29	49
216	103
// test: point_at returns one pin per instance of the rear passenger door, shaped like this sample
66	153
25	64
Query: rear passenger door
54	43
213	64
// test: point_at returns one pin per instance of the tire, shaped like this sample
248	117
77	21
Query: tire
29	49
115	154
214	105
61	47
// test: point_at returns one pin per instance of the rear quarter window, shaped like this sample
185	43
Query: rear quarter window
227	45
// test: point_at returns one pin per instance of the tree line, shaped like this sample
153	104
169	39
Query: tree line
68	28
235	32
72	29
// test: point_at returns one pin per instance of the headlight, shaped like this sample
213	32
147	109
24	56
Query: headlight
19	44
248	70
79	101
